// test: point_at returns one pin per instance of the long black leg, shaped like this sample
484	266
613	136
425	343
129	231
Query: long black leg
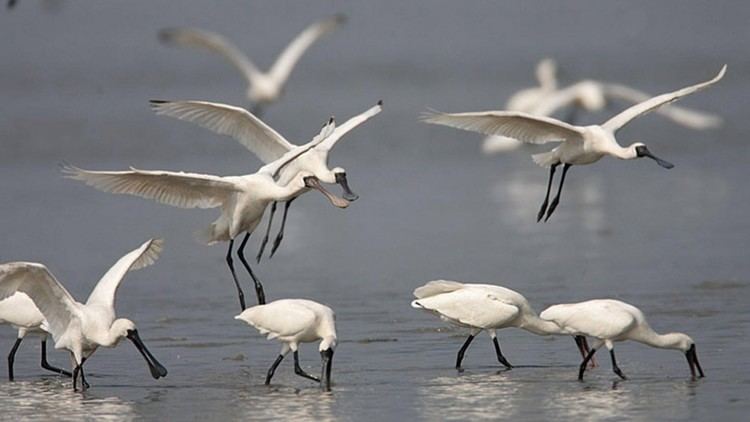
280	236
76	371
49	367
258	287
460	356
301	372
552	169
556	201
272	369
12	357
585	362
268	232
500	357
230	262
616	368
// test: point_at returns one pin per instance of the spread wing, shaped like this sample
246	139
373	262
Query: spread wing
145	255
281	318
240	124
330	141
196	38
511	124
286	61
617	122
184	190
53	301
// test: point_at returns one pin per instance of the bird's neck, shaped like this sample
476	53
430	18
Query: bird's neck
663	341
541	327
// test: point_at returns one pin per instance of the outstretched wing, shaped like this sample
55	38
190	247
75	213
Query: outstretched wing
53	301
284	64
178	189
330	141
145	255
617	122
511	124
240	124
196	38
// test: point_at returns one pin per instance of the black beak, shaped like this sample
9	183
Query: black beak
692	358
312	182
348	194
156	368
325	373
642	151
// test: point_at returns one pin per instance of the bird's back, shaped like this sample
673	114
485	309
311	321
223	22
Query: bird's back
290	319
600	318
19	311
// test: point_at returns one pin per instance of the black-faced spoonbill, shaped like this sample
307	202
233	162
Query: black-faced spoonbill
609	321
483	307
263	87
268	145
294	321
20	312
81	328
242	199
579	145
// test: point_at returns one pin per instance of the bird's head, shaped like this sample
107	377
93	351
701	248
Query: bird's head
639	150
340	178
120	329
685	344
590	96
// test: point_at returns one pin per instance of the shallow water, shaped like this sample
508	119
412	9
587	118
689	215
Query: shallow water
75	81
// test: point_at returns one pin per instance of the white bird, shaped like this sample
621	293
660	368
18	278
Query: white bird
484	307
294	321
263	87
81	328
268	145
579	145
243	199
20	312
609	321
547	99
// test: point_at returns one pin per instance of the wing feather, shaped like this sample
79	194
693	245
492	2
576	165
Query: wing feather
330	141
471	307
596	318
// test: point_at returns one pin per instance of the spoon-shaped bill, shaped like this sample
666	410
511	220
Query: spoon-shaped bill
156	368
348	194
325	372
692	358
642	151
313	183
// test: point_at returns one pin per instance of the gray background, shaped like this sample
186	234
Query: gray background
75	78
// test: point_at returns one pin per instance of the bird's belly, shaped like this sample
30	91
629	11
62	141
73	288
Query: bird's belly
581	158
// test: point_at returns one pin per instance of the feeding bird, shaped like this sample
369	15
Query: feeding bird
579	145
20	312
484	307
268	145
294	321
81	328
548	98
610	321
243	199
263	87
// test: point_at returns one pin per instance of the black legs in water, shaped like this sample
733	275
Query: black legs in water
462	351
76	371
45	364
241	253
555	201
326	357
460	356
616	368
301	372
500	357
590	355
272	369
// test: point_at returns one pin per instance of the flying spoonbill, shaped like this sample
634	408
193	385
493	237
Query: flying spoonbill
268	145
294	321
484	307
78	327
263	87
609	321
243	199
579	145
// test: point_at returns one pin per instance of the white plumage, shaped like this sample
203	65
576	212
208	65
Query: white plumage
81	328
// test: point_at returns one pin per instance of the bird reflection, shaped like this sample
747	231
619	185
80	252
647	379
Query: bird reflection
469	397
284	403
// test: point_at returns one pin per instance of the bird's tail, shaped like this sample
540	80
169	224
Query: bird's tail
435	287
545	159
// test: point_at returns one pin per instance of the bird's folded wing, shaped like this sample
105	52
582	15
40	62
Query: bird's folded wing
184	190
262	140
53	301
689	118
284	64
279	319
145	255
593	318
330	141
620	120
512	124
472	307
213	42
436	287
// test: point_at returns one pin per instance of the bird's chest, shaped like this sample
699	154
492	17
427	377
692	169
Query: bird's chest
580	153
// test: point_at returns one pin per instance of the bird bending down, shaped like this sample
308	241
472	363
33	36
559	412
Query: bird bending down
483	307
263	87
81	328
20	312
579	145
268	145
242	199
294	321
548	98
610	321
